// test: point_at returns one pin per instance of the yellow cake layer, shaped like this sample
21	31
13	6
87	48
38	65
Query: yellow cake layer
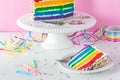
50	3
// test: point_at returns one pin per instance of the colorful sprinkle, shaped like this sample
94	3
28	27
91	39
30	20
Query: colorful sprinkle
34	63
24	73
29	67
34	72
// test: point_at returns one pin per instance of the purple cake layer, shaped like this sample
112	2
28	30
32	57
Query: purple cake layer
54	17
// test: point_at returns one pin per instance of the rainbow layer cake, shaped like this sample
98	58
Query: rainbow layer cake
52	9
89	58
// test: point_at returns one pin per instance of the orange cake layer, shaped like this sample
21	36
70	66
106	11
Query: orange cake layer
49	3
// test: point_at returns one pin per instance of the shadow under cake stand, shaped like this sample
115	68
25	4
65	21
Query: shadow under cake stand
57	32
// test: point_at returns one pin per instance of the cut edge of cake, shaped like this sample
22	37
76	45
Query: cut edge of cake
51	11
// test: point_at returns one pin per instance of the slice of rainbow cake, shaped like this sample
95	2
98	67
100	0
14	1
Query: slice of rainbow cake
89	58
52	9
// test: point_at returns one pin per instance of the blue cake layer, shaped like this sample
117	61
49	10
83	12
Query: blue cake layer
54	17
55	12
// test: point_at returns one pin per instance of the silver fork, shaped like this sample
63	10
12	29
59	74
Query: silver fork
66	59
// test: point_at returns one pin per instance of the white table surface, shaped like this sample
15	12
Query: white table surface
47	65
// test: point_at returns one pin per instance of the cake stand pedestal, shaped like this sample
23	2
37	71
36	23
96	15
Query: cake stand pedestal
57	37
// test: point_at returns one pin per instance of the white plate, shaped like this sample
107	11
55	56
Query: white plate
63	66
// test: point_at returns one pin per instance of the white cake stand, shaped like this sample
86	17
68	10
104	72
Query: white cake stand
57	37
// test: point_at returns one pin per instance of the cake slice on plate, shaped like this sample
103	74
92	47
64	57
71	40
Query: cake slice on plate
89	58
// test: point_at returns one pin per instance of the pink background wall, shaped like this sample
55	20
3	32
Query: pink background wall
107	12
